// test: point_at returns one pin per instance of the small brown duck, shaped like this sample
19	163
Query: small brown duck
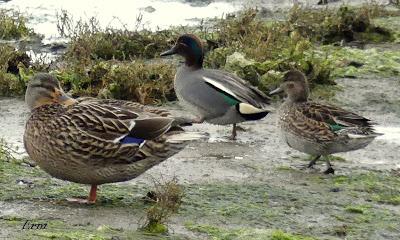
319	129
93	141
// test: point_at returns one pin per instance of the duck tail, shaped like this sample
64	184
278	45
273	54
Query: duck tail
250	112
155	151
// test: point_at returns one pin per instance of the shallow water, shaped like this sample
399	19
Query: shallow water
117	13
156	14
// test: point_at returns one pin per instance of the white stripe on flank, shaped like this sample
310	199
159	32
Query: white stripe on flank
357	136
220	86
245	108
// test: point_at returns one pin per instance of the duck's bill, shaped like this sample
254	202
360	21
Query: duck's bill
172	51
276	91
66	100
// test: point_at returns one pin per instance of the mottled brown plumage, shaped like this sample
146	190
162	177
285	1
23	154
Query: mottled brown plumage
319	129
93	141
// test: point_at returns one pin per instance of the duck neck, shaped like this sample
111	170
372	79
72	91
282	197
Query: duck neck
297	99
299	94
194	60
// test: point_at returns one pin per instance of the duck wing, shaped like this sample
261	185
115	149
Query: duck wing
114	124
336	117
127	105
235	88
149	111
326	123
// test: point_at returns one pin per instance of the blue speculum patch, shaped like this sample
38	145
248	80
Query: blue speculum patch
128	140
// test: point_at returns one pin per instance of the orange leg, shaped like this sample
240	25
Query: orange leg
90	200
92	194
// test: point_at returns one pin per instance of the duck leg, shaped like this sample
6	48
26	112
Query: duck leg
90	200
329	169
234	134
92	194
240	128
312	162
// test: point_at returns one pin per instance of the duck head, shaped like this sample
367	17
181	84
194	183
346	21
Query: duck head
295	85
190	47
44	89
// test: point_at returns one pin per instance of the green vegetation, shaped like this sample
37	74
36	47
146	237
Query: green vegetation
306	208
353	62
357	209
11	61
242	234
13	26
136	80
381	188
123	64
346	24
165	200
5	151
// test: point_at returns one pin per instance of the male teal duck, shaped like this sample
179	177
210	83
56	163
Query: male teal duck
215	96
319	129
93	141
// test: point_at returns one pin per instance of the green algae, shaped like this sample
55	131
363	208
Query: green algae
49	189
359	209
371	61
256	209
217	233
392	23
381	188
59	229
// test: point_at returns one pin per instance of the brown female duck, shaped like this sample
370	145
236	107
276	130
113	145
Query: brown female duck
93	141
